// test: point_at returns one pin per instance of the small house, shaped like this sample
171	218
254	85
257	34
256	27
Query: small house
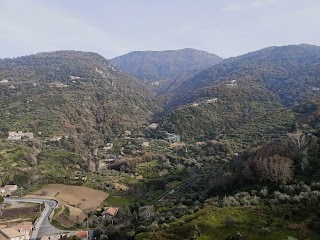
156	83
11	188
83	235
110	212
212	100
11	234
57	138
111	158
127	133
231	83
25	228
153	126
108	146
173	137
2	191
201	143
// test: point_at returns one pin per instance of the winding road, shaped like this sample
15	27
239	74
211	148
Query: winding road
43	226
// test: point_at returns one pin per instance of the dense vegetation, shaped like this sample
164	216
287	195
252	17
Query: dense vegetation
283	75
248	166
72	102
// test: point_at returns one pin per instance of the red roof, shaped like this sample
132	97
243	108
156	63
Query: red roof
110	211
82	234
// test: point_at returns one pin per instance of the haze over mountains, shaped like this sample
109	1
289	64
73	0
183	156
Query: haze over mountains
162	67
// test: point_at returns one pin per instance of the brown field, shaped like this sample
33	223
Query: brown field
24	211
77	199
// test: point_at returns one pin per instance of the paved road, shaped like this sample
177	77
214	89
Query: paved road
43	226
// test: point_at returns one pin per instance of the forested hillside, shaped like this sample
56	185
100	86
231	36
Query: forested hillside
288	74
75	100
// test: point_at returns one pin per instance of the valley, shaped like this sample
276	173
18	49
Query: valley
221	149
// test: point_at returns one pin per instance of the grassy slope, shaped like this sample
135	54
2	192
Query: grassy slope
279	222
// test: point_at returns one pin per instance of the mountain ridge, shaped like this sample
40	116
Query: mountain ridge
160	68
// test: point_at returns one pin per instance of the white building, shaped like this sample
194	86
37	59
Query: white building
212	100
153	125
13	135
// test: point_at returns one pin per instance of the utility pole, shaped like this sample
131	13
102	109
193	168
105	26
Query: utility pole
21	193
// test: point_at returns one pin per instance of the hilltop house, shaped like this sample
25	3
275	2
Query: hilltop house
231	83
212	100
12	135
173	137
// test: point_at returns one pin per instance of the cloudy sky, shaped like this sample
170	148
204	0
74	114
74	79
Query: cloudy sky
115	27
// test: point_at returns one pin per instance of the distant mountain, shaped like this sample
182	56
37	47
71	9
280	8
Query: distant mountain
164	66
277	75
69	93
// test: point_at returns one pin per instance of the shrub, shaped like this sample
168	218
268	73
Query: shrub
230	201
263	192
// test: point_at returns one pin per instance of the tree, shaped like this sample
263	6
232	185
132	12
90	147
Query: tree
299	139
274	168
1	199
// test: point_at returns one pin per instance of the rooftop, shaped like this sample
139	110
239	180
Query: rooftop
11	232
110	211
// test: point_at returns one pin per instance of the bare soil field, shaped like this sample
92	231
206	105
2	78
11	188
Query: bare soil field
75	201
25	211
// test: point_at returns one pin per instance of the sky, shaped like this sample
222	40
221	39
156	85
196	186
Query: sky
115	27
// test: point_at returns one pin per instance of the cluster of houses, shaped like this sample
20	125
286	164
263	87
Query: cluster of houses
210	100
13	135
8	189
